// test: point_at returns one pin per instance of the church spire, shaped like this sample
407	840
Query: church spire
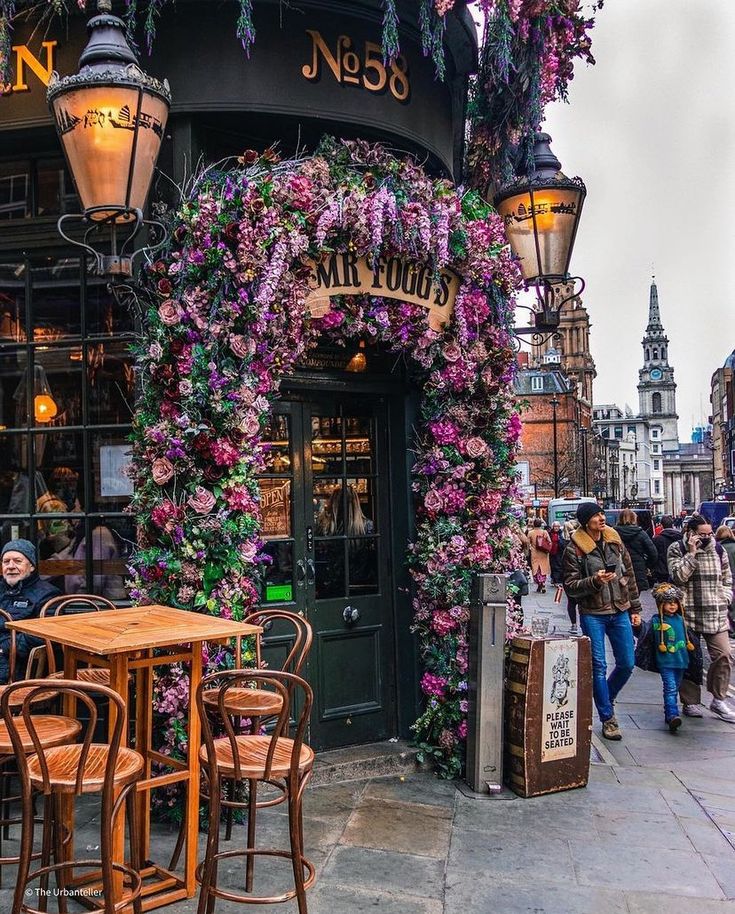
654	314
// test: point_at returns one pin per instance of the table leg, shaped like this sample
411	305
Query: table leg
66	800
143	744
119	684
192	794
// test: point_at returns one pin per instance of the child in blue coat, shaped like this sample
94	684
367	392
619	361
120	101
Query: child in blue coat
672	649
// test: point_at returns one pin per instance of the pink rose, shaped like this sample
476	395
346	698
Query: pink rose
202	501
170	313
475	448
452	352
186	388
241	347
250	426
432	501
162	470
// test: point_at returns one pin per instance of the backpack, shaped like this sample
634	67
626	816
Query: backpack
646	649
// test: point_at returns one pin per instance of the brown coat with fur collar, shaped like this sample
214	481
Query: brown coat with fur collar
582	560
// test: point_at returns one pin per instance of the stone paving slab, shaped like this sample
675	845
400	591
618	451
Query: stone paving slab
408	828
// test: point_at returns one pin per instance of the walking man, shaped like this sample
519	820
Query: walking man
701	568
598	574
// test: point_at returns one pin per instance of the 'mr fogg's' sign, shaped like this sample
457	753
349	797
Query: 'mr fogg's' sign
387	277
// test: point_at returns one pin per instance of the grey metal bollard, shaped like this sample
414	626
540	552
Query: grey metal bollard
486	684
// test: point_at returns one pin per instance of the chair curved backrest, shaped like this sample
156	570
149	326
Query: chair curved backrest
287	685
302	637
57	606
80	691
12	656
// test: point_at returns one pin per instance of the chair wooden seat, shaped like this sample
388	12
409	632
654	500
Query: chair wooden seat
51	730
63	764
19	696
97	675
246	702
252	752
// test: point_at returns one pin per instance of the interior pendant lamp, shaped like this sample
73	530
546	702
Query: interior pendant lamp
541	211
111	118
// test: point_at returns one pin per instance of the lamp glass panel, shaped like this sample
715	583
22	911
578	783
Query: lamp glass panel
557	212
97	126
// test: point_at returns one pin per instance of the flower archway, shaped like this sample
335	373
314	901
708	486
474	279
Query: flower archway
228	318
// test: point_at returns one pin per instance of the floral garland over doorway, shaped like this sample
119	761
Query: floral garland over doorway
228	319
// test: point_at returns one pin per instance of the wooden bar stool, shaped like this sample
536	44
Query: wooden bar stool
59	606
257	705
255	758
72	770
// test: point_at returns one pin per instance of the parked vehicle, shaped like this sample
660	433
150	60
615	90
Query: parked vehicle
564	509
729	522
716	511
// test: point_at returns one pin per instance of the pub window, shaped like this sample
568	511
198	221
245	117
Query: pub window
66	401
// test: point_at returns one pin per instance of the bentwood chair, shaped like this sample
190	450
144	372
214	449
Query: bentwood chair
256	705
52	730
83	602
72	770
255	758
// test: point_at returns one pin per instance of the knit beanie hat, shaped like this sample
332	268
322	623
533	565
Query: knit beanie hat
25	547
586	511
667	593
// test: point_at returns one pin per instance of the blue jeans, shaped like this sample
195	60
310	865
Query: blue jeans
671	680
618	629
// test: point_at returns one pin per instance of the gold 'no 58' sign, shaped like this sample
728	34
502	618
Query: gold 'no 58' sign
348	68
386	277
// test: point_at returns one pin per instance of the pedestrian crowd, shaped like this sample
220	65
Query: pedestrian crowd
603	571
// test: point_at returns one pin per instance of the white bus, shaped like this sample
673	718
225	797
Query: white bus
564	509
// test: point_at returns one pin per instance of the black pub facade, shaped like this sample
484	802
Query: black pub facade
67	386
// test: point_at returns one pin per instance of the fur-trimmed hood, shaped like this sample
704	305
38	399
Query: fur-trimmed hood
584	542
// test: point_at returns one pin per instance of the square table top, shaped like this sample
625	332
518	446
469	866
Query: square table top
120	631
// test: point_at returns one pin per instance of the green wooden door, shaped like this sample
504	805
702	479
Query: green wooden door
325	501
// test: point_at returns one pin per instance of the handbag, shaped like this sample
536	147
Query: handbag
518	579
543	544
646	648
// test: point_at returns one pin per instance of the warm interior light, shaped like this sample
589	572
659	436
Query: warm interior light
358	362
111	136
44	408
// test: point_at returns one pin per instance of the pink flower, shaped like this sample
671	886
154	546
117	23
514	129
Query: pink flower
241	347
162	470
250	426
433	685
202	501
170	313
432	501
452	352
475	447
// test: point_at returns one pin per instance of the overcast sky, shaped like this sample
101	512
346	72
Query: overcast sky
651	130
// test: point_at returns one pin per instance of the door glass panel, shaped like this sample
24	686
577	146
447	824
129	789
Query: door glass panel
279	577
275	508
361	507
276	446
330	568
362	553
328	507
359	444
326	445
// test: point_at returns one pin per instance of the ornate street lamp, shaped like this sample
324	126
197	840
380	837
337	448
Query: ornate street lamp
110	117
541	211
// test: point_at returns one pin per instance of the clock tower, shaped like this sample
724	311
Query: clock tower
656	385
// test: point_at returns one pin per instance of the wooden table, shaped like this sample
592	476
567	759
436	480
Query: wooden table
124	640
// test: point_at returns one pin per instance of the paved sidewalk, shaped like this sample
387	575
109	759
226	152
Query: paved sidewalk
653	833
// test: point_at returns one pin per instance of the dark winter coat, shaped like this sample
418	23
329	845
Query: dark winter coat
25	600
582	559
643	553
662	542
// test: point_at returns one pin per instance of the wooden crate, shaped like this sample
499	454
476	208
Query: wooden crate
548	714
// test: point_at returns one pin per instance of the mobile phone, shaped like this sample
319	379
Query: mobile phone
611	566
